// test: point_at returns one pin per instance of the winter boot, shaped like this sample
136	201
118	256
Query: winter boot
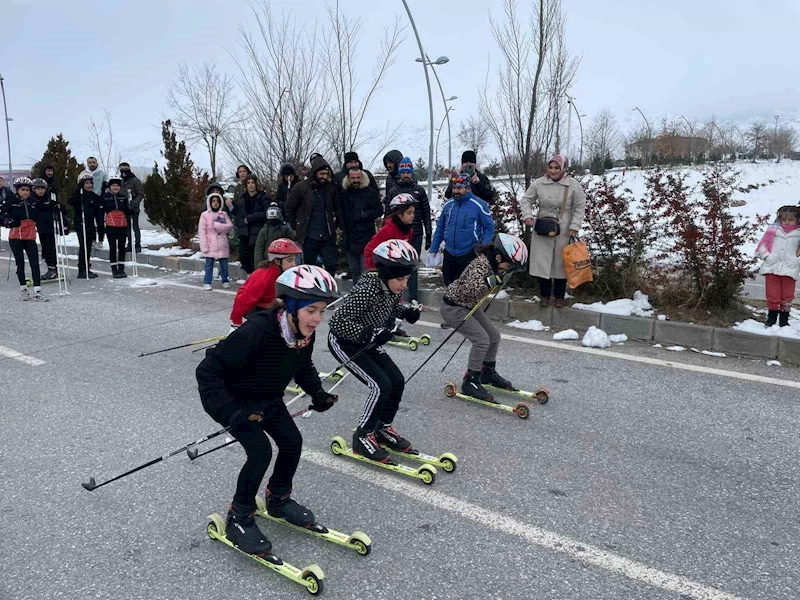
283	507
365	444
242	531
93	275
388	436
121	270
51	274
115	271
783	318
544	302
471	386
37	296
772	318
25	294
490	376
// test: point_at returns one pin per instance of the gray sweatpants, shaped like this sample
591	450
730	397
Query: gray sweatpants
478	329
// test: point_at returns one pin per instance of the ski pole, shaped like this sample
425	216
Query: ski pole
214	339
452	333
85	248
135	268
92	485
203	348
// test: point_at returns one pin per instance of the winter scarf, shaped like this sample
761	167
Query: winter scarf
769	237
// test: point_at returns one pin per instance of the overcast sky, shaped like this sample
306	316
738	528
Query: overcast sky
65	63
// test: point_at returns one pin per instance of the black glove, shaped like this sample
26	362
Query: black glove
427	241
411	314
249	218
366	335
242	417
322	401
493	281
382	336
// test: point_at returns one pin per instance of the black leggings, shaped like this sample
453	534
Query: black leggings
117	236
48	240
453	266
21	247
279	425
375	369
558	287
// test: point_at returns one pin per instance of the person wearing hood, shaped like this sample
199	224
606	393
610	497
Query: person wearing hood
213	231
48	173
314	211
351	160
275	228
465	222
422	217
288	179
391	161
361	205
249	216
562	207
134	190
479	183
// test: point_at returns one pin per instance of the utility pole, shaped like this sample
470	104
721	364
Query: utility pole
8	132
775	140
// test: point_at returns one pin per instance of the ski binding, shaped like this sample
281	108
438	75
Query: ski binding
521	409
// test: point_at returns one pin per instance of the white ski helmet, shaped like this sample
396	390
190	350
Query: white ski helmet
401	202
396	253
512	249
86	175
307	282
115	178
23	182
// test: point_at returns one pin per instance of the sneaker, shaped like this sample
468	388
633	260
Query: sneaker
37	296
388	436
284	507
242	531
25	294
206	287
365	444
226	285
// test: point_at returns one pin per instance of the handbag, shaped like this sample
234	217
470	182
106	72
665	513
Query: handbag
550	226
26	231
577	263
116	218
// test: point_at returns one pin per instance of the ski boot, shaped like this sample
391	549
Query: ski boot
243	532
783	318
25	294
121	271
471	386
388	436
51	274
115	271
283	507
491	377
37	296
772	318
365	444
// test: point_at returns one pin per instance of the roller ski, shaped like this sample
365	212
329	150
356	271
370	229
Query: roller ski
394	443
491	380
473	390
241	533
367	449
410	342
336	376
358	540
45	279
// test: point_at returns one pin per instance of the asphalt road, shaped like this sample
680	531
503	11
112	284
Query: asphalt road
637	480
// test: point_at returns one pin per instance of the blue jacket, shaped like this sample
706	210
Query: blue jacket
462	224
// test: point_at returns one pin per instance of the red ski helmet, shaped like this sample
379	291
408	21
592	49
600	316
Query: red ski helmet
283	248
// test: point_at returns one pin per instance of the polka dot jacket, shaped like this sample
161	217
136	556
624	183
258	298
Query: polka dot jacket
365	310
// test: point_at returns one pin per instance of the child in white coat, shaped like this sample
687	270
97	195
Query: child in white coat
780	249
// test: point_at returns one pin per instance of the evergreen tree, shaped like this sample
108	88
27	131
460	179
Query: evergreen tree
420	169
175	199
66	168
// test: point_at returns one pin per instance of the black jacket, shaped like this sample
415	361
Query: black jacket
14	210
483	189
51	186
252	208
360	207
110	202
300	203
252	367
284	187
422	215
392	177
90	206
133	184
46	208
341	176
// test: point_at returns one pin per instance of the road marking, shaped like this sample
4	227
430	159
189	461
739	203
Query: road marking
28	360
641	359
585	553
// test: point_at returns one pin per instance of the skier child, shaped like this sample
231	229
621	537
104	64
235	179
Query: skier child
361	321
274	229
213	229
47	208
84	203
258	292
780	249
115	212
18	213
493	263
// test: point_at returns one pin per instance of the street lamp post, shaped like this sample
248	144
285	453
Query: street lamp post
422	56
775	140
649	130
8	131
439	132
571	102
440	61
744	144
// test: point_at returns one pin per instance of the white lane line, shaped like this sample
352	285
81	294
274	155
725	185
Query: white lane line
585	553
28	360
642	359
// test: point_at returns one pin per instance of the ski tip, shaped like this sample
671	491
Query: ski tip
192	452
89	485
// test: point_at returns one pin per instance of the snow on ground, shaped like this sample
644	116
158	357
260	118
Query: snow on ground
596	338
501	296
533	325
751	326
150	237
569	334
709	353
676	348
639	306
618	338
774	363
174	251
138	282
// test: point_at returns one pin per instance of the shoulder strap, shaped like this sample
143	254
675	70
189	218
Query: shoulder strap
564	201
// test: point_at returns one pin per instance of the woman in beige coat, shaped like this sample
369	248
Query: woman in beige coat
547	192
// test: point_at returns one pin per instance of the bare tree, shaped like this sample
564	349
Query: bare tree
638	143
757	134
204	107
783	141
349	107
101	141
523	113
603	137
473	134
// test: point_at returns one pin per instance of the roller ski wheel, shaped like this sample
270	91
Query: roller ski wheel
425	472
447	461
542	395
358	540
404	342
310	577
521	409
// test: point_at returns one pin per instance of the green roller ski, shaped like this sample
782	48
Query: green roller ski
358	540
542	395
410	342
521	409
446	461
425	472
311	577
335	376
29	282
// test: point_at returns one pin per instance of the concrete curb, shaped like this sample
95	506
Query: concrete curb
638	328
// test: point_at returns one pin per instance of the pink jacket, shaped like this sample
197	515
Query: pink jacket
213	231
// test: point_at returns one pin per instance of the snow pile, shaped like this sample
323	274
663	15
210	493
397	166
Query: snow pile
172	251
618	338
533	325
751	326
709	353
774	363
501	296
639	306
663	317
657	346
676	348
140	282
596	338
569	334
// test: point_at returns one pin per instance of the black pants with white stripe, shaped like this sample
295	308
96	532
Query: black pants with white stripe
379	373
